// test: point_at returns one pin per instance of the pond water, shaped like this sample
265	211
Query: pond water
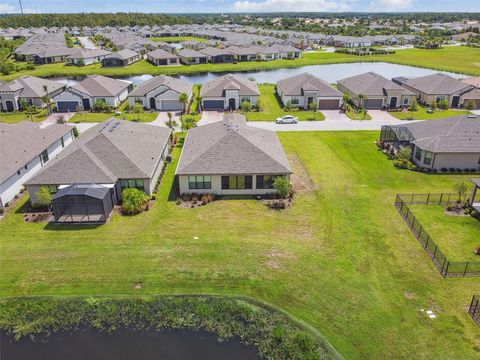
127	344
330	73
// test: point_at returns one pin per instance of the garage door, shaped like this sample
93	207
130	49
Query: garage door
64	106
171	105
213	105
373	103
331	104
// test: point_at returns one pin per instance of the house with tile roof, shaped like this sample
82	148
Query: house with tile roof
228	92
230	157
87	92
451	143
161	93
105	160
25	149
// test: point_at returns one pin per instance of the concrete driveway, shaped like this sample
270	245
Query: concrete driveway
209	117
381	115
334	115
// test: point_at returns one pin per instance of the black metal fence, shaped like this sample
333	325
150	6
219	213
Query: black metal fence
445	267
474	309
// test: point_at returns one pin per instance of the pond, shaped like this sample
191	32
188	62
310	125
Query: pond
127	344
330	73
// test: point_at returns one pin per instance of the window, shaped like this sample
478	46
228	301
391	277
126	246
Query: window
244	98
294	101
132	183
428	158
236	182
440	97
199	182
418	153
26	167
405	100
44	157
18	172
265	181
63	143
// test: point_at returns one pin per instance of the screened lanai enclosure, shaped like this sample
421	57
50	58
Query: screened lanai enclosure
475	199
83	203
396	135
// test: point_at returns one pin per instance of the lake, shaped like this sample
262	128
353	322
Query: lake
330	73
126	344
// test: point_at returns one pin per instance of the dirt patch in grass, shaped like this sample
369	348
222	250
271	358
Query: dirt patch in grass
276	259
409	295
301	180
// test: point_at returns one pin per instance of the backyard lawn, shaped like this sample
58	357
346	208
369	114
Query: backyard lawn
456	236
452	58
341	259
92	117
272	108
422	114
16	117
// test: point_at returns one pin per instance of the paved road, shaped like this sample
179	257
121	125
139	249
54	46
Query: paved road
87	43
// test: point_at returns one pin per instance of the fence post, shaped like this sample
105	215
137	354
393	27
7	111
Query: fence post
440	201
435	252
413	224
428	198
446	269
443	264
420	233
426	243
411	201
466	266
448	201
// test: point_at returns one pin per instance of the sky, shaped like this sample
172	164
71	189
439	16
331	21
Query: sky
226	6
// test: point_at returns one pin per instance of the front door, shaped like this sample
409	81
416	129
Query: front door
86	104
9	105
455	101
231	104
153	104
393	102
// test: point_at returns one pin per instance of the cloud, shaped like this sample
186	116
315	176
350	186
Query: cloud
389	5
292	5
7	9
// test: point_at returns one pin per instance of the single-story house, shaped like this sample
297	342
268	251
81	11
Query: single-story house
190	56
25	148
438	87
228	92
121	58
28	88
86	93
161	57
230	157
95	169
474	81
378	92
303	89
441	144
161	93
216	55
87	56
243	53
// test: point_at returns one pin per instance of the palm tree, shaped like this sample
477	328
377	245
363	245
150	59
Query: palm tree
183	98
199	100
346	99
46	99
360	98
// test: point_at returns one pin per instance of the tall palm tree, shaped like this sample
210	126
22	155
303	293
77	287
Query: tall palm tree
46	99
361	99
346	99
183	98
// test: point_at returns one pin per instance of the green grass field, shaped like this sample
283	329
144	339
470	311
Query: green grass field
176	39
272	107
16	117
457	236
341	259
91	117
422	114
452	58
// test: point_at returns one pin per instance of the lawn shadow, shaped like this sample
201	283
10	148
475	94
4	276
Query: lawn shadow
173	193
51	226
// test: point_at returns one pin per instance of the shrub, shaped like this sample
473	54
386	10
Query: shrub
413	106
404	164
282	185
405	153
133	201
444	169
470	105
44	197
75	132
246	106
462	187
442	104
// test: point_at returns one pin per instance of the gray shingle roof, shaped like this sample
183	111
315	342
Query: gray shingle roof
232	147
190	53
98	85
437	84
123	54
112	150
88	53
371	83
455	134
161	54
31	86
216	87
296	85
176	85
21	143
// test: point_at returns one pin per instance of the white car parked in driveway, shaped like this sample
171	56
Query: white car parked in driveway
287	119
